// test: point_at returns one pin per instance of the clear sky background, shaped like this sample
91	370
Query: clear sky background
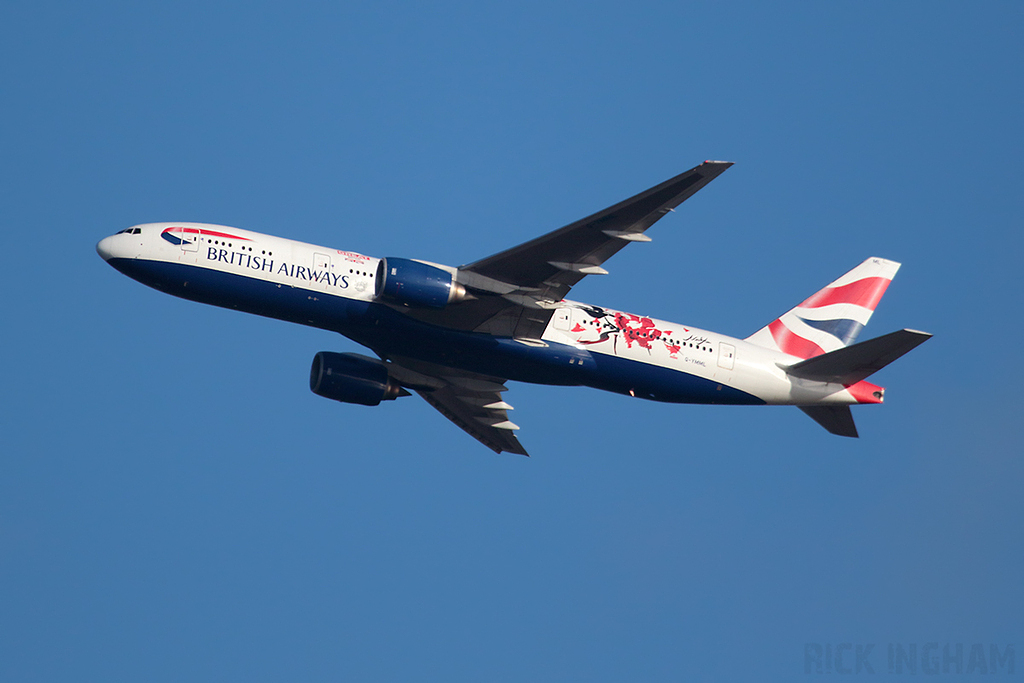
176	505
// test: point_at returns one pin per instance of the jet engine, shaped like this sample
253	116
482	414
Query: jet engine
351	378
416	284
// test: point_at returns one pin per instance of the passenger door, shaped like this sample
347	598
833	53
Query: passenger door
726	356
322	264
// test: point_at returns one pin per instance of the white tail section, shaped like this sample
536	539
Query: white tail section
833	317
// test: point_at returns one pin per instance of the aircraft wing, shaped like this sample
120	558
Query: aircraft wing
472	401
516	290
554	262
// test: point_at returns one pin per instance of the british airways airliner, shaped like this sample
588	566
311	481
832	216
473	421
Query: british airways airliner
456	336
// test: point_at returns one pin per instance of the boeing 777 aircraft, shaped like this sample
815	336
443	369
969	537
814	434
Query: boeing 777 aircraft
455	336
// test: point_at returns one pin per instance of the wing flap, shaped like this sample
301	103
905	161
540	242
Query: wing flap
484	425
472	401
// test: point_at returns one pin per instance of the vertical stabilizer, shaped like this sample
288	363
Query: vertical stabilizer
833	317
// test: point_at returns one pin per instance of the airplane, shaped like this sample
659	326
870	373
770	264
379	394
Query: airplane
456	336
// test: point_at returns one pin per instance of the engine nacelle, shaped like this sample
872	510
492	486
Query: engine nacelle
351	378
411	283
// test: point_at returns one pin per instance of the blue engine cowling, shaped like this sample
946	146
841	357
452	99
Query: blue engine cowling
411	283
351	378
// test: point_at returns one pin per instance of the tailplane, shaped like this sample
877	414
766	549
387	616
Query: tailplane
851	364
833	317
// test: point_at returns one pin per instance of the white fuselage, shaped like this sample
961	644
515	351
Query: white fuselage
334	289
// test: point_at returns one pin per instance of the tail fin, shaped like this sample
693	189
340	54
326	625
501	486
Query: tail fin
833	317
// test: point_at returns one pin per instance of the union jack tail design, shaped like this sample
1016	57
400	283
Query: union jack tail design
832	318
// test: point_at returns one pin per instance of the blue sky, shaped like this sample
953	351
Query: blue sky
175	504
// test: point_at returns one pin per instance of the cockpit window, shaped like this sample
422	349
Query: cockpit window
136	231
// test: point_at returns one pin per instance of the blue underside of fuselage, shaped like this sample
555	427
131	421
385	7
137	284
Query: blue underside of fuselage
389	332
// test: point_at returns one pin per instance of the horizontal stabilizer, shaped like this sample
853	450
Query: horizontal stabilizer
851	364
836	419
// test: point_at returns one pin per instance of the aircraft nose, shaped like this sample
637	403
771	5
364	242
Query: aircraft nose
105	248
